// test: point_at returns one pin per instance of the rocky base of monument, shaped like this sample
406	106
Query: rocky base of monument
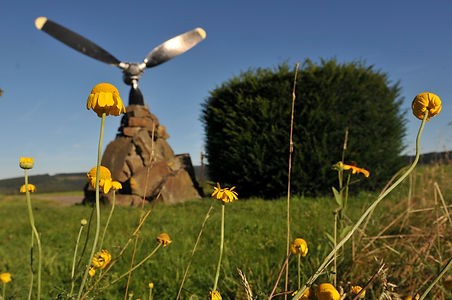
142	160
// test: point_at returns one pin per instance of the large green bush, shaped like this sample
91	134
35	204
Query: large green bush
247	125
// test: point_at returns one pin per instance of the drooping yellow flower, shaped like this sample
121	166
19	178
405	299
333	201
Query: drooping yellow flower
356	289
307	294
5	277
105	181
214	295
101	259
31	188
426	101
299	247
26	163
164	239
92	271
104	98
116	185
356	170
327	291
225	195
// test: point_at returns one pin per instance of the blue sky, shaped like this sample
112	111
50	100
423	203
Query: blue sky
46	83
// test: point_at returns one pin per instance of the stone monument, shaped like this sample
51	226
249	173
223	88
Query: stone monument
142	160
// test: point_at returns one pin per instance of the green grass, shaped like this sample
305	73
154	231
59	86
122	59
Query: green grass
255	242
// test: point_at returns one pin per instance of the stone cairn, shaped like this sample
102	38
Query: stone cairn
142	160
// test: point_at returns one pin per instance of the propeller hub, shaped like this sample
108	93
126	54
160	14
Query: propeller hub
131	73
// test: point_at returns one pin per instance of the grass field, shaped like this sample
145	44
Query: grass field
407	238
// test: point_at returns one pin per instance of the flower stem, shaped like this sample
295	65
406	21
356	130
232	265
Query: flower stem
75	259
328	259
96	236
35	233
299	270
217	275
113	204
135	267
441	274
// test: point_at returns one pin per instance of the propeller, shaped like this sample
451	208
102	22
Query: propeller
131	71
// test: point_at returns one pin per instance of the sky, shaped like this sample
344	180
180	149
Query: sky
46	83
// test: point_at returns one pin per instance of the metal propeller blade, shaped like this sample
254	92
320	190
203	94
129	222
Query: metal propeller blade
173	47
75	41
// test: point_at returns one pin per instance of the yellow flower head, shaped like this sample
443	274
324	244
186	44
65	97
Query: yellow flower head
26	163
105	180
151	285
104	98
426	102
327	291
101	259
164	239
214	295
92	271
307	294
5	277
83	222
225	195
356	289
356	170
299	247
116	185
31	188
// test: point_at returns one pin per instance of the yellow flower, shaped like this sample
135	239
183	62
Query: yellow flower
299	247
225	195
354	169
26	163
214	295
426	102
83	222
356	289
92	271
5	277
164	239
116	185
327	291
31	188
307	294
151	285
105	181
101	259
104	98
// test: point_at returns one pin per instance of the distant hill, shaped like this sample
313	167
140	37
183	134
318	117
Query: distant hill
76	181
46	183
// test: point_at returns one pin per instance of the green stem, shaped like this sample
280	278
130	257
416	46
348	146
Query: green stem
217	275
108	220
135	267
150	294
299	270
4	291
74	259
35	233
328	259
96	236
441	274
30	290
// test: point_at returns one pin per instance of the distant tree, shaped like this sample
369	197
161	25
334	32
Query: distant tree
1	92
247	123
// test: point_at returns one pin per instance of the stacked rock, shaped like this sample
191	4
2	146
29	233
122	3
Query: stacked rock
142	160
